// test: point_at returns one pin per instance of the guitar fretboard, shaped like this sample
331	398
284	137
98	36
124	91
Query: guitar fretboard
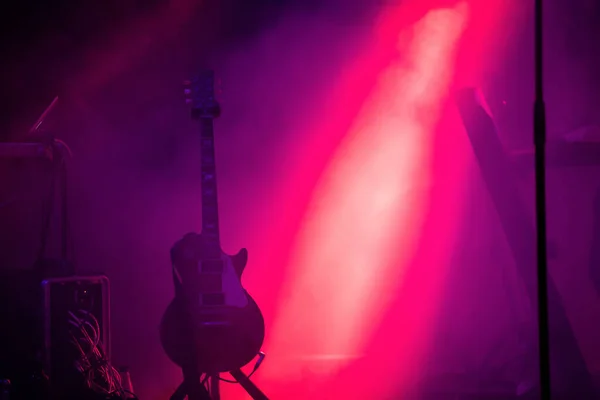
210	209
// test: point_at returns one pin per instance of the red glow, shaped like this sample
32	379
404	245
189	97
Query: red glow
365	220
370	218
342	273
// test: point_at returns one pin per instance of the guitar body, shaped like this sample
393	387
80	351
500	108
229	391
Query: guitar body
213	342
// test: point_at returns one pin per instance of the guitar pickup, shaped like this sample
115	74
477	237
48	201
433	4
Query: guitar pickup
211	266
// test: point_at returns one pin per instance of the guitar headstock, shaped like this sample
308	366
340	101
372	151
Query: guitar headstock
200	94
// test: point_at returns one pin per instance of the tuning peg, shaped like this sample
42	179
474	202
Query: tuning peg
187	82
188	101
187	91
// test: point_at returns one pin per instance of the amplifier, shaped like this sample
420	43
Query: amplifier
37	350
76	311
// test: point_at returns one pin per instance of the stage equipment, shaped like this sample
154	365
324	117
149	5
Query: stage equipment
76	324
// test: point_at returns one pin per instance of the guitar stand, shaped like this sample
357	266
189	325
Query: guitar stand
194	389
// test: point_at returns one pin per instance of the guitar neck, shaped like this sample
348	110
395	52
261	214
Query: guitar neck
210	209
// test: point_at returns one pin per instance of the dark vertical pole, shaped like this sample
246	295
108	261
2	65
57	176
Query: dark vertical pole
539	138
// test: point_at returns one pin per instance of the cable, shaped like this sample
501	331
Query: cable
47	212
98	373
261	357
60	151
64	146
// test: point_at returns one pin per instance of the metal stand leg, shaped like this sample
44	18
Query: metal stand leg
215	391
248	385
195	390
191	387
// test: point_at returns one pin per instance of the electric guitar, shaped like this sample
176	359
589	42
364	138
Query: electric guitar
212	324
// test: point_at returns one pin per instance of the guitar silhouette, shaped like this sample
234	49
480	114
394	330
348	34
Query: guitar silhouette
212	324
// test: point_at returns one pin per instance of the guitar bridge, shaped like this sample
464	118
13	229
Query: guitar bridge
212	299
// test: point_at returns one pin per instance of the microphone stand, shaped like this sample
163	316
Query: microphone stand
539	138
